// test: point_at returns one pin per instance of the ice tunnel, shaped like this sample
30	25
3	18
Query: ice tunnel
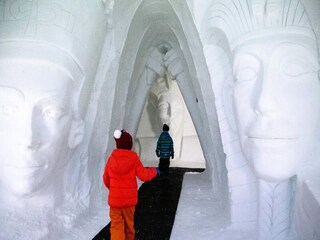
217	71
158	45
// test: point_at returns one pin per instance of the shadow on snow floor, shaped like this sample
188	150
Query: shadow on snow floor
156	208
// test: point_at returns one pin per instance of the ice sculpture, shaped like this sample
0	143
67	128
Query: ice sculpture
282	106
165	104
49	52
276	96
170	108
39	124
281	77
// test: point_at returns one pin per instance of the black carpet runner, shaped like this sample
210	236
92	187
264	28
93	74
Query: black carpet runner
156	208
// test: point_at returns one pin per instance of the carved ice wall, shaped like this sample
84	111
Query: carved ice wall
142	43
66	40
49	53
165	104
274	52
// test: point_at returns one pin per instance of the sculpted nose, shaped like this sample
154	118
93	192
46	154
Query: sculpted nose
266	104
31	136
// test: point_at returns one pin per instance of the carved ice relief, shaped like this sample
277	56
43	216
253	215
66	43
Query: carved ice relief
43	113
276	95
275	66
169	106
49	54
40	123
52	52
34	14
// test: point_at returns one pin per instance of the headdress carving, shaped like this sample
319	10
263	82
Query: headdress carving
240	17
56	31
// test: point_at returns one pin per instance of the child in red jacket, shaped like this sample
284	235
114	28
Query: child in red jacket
119	177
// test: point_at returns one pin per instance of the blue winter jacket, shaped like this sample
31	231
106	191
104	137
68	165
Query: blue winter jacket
165	146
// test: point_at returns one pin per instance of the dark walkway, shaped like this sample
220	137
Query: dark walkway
156	209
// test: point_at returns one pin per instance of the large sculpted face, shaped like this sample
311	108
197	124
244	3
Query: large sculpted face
164	108
276	98
171	109
35	123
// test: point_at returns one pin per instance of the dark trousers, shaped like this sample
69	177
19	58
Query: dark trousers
164	164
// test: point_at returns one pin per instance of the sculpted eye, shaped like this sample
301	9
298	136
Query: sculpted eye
163	106
8	110
295	69
246	74
53	112
247	66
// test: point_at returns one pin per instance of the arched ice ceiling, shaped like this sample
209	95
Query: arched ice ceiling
156	23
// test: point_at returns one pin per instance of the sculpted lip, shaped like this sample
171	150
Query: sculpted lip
271	135
271	138
28	161
28	165
273	143
27	171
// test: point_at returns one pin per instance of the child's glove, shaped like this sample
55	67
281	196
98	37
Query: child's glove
158	153
158	171
172	155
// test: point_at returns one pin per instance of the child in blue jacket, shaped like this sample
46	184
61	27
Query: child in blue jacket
165	150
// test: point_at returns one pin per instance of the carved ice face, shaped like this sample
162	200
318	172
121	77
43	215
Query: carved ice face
164	108
171	110
35	123
276	98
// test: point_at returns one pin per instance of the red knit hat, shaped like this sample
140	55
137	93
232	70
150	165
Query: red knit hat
123	139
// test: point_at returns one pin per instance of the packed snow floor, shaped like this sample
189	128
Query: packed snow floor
156	208
199	215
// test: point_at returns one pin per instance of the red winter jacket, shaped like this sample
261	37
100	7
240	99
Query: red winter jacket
120	177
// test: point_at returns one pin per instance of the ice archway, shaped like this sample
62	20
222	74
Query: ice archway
144	39
156	42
